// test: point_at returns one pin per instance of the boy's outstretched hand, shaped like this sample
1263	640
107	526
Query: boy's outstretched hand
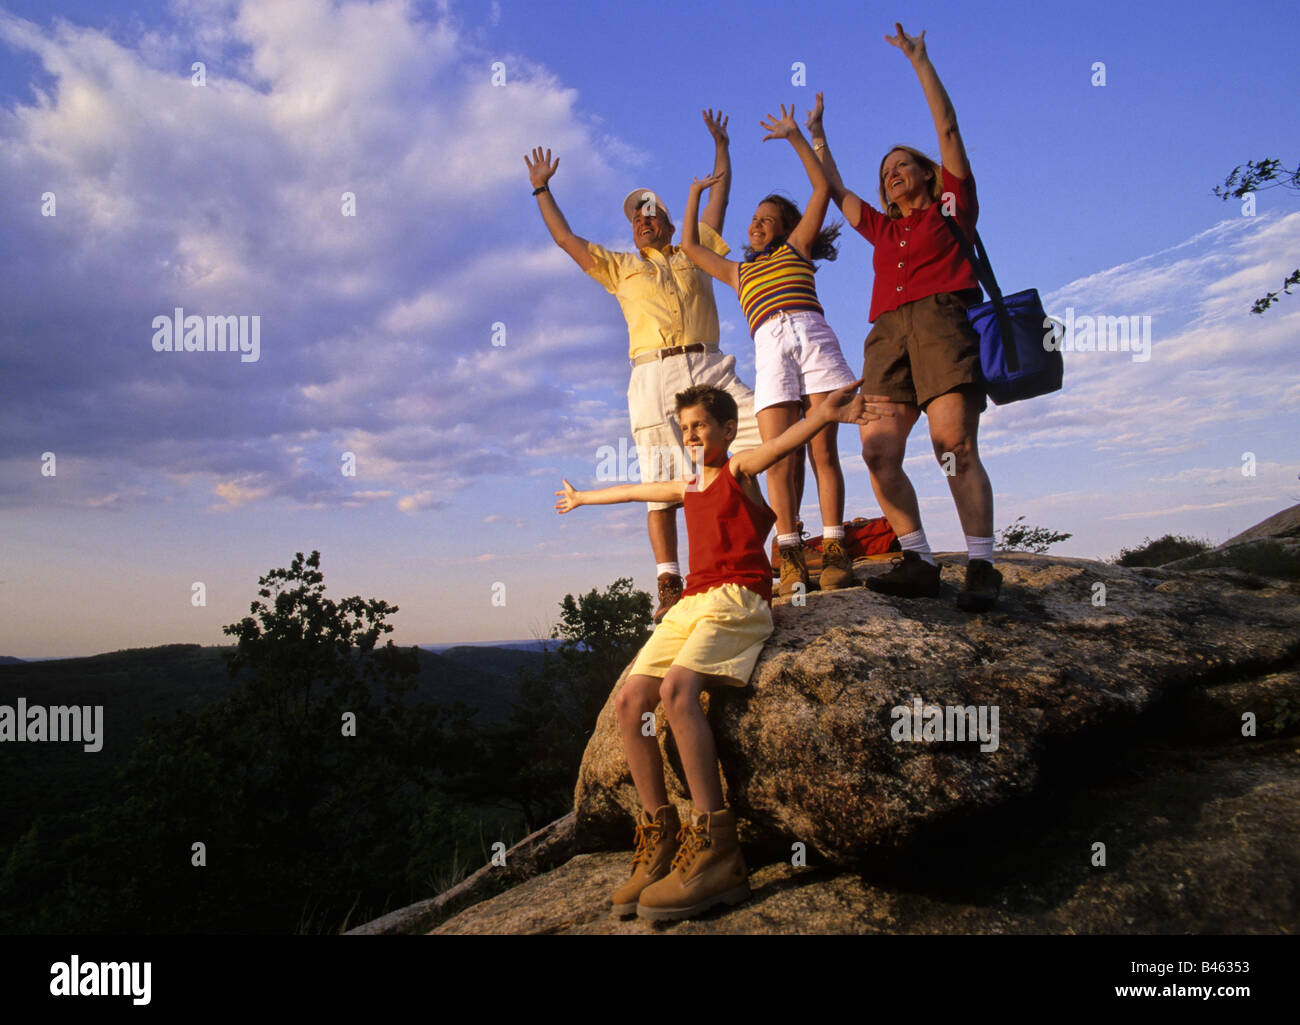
568	498
848	407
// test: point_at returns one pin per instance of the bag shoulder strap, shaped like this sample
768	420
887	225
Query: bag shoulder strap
978	258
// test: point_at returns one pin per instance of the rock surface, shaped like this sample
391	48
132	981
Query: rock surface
808	750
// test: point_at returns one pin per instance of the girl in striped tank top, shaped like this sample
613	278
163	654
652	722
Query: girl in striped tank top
797	356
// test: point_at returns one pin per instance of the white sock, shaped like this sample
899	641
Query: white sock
674	568
979	548
916	542
833	533
787	540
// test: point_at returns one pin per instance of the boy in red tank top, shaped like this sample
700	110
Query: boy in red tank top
712	636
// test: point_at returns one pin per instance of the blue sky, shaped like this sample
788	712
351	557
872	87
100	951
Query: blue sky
376	330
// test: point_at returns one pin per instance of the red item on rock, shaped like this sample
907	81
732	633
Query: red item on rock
861	537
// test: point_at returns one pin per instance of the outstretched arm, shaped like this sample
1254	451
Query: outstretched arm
726	271
715	213
805	232
952	150
540	170
844	406
661	491
848	202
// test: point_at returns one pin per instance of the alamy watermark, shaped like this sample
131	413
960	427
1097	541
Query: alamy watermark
954	723
179	333
643	462
77	724
1099	334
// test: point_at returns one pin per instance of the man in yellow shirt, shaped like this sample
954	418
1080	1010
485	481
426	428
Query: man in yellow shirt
672	325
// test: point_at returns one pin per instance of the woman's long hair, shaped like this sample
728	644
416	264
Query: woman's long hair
936	183
823	247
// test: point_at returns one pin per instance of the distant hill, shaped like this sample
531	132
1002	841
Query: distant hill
136	684
6	660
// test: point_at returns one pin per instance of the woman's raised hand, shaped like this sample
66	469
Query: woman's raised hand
814	121
780	128
540	168
912	46
717	126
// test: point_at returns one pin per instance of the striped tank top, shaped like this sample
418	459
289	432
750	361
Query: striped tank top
775	281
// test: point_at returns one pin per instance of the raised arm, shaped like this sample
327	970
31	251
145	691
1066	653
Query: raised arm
801	238
726	271
848	202
716	212
952	150
660	491
843	406
540	170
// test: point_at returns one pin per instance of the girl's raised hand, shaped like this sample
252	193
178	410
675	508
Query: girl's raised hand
541	167
814	121
717	125
912	46
782	128
698	185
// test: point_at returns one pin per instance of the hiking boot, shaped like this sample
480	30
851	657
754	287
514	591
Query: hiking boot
980	592
793	570
670	592
911	577
708	870
657	839
837	567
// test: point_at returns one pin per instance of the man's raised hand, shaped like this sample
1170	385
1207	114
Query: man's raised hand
780	128
717	126
912	46
540	168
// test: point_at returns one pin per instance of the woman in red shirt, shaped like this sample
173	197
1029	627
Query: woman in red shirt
922	351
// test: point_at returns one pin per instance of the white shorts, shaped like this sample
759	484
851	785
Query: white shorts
652	407
796	354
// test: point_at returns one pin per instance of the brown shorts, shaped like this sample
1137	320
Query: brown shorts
922	350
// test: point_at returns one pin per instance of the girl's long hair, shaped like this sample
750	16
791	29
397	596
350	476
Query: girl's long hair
823	247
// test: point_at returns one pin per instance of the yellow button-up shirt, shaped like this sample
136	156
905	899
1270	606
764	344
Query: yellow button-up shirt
666	299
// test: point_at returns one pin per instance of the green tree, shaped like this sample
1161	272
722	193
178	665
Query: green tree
1253	177
1018	538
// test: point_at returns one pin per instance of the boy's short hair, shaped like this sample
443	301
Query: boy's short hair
716	402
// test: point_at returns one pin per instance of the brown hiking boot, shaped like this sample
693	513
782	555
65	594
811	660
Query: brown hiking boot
708	870
670	593
983	583
911	577
793	570
837	567
657	839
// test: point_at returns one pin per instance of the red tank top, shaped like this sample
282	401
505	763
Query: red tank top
728	538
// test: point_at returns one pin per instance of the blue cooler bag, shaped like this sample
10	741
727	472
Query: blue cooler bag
1012	330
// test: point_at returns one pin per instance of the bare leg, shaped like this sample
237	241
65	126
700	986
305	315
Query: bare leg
824	451
681	693
772	421
884	443
954	426
663	533
640	694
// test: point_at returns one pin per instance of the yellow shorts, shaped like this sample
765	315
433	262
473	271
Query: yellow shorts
718	633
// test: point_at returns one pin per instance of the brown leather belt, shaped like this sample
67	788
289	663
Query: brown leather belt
673	350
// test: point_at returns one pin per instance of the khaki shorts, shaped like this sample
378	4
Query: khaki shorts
718	633
652	408
922	350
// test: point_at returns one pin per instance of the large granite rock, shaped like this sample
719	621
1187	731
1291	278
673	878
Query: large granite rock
809	751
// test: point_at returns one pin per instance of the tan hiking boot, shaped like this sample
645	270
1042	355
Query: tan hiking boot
670	593
837	567
793	570
709	869
657	839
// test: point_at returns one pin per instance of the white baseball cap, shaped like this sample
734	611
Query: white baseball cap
638	198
